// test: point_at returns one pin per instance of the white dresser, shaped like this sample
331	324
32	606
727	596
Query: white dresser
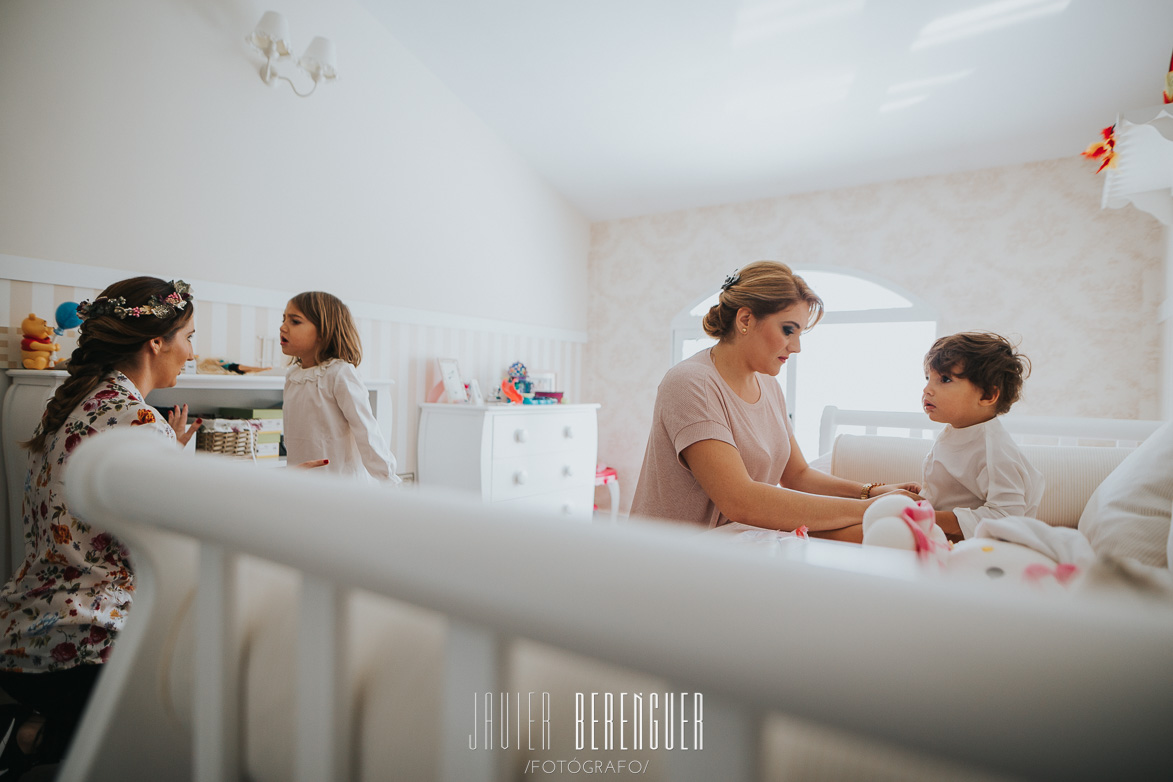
532	456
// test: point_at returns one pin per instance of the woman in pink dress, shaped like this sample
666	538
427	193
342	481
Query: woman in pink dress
721	449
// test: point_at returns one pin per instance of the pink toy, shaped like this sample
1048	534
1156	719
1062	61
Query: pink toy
898	521
988	559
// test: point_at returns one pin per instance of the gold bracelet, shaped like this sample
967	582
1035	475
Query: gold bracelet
867	490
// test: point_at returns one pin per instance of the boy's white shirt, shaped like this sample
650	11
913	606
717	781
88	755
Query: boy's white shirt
979	473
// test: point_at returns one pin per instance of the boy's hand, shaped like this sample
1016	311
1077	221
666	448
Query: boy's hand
947	521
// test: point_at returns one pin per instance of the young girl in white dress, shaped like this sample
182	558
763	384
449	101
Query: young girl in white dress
328	418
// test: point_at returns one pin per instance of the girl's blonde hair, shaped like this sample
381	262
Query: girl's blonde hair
337	334
765	287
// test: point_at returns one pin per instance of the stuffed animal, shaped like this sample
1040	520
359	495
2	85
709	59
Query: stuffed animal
1001	560
1020	549
36	348
898	521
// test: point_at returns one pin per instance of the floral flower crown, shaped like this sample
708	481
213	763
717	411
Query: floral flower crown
160	308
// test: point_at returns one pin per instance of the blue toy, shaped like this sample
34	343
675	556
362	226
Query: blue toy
66	317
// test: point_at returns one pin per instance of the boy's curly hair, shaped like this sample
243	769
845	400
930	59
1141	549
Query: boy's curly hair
987	360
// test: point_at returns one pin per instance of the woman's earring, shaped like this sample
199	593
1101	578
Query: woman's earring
743	331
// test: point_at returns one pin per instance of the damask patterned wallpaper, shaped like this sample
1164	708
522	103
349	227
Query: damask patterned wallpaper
1021	250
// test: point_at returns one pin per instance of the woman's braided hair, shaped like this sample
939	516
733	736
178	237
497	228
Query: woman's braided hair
107	340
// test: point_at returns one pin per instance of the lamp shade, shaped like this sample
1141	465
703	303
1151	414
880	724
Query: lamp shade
319	59
273	31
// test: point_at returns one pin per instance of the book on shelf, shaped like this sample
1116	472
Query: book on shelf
272	419
267	450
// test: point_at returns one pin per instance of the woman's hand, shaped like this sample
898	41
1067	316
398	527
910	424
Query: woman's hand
911	489
177	417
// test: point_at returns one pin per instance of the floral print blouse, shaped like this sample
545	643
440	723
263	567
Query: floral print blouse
67	602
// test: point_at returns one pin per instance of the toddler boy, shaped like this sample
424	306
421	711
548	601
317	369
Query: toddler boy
974	470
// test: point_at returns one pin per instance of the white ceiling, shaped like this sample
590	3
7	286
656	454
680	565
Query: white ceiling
632	107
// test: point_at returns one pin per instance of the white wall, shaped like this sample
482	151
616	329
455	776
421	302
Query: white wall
1166	318
138	135
1021	250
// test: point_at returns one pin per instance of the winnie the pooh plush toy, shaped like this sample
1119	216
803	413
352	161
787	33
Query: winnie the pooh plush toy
36	348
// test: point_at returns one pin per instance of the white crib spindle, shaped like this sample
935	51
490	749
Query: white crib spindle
323	726
216	703
474	664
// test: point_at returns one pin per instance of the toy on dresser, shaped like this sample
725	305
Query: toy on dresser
36	346
1012	550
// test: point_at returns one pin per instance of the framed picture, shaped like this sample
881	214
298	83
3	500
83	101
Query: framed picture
543	381
454	390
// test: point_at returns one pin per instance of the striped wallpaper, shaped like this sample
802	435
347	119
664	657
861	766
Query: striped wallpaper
398	350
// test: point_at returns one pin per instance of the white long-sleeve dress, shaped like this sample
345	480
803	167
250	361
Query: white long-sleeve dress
328	416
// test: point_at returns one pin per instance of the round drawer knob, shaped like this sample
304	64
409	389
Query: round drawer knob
568	471
521	476
521	435
568	432
566	508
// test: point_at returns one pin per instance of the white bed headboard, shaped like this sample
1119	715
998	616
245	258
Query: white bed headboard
1034	430
939	667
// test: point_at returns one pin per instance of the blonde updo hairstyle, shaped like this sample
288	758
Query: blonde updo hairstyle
764	287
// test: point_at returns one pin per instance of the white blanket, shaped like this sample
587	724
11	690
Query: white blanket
1062	544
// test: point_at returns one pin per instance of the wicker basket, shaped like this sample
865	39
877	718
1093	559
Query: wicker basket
229	437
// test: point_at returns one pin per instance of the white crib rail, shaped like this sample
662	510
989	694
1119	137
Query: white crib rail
1063	429
1042	688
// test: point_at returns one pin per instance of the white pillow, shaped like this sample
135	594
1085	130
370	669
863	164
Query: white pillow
1128	516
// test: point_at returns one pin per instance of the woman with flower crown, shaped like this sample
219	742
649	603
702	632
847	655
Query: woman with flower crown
721	449
61	612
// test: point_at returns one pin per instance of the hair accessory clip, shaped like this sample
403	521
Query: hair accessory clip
731	280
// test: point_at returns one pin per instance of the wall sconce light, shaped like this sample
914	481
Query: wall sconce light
271	38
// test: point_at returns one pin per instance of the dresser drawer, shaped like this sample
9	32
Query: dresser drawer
511	453
577	503
521	476
515	435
